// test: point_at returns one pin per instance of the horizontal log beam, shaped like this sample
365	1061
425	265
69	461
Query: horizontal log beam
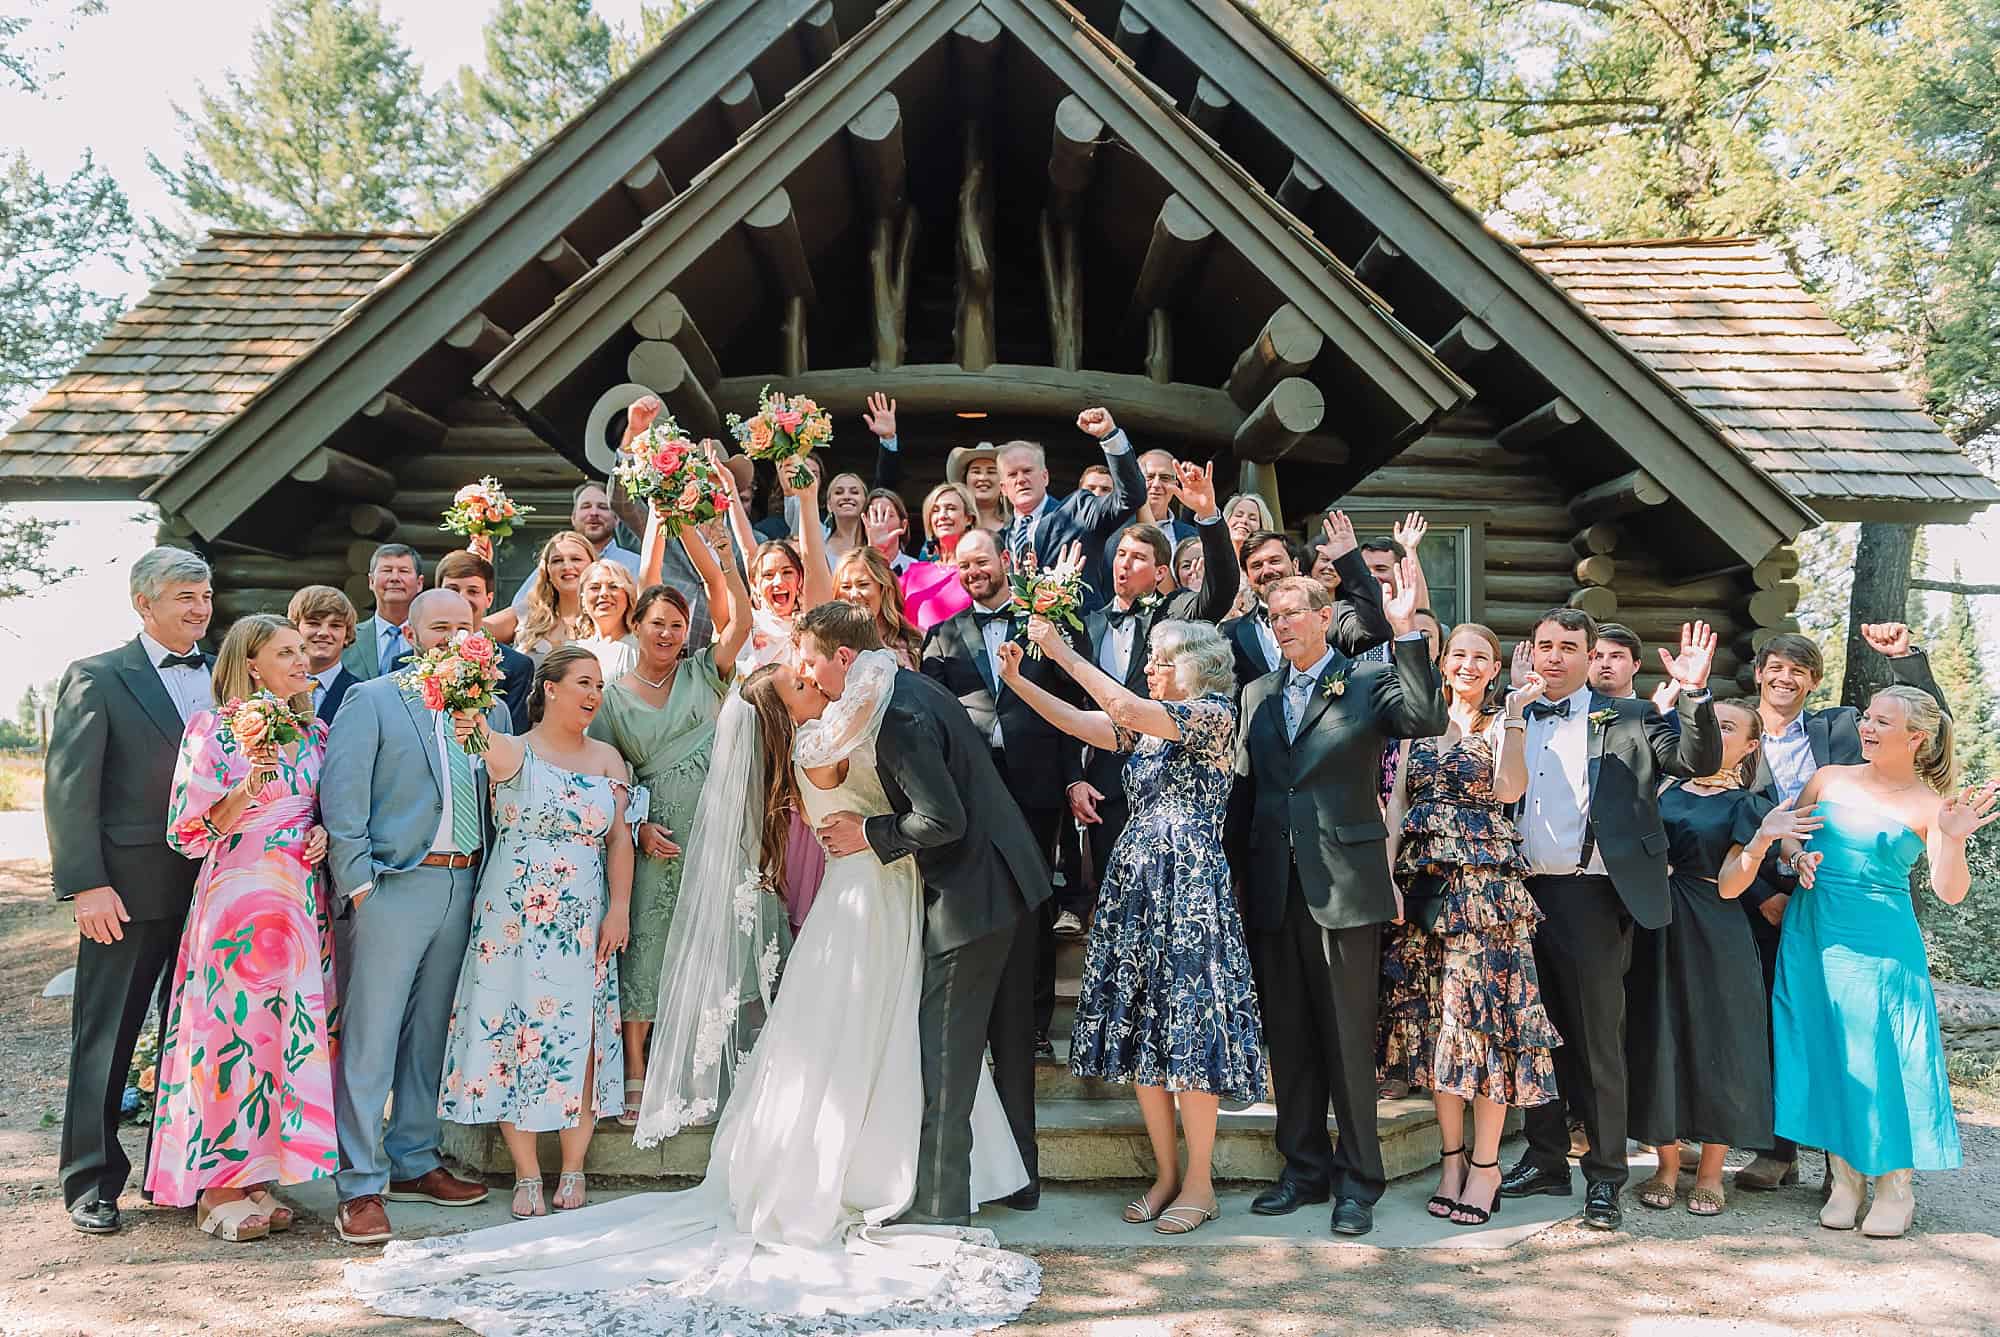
660	366
1547	588
1294	409
404	419
233	605
1197	414
1465	343
1720	591
1746	644
344	475
1180	238
774	230
242	571
455	470
666	320
1617	497
480	336
1508	554
876	136
1286	346
1210	108
646	185
563	261
740	105
429	541
1596	538
551	502
1375	263
1539	425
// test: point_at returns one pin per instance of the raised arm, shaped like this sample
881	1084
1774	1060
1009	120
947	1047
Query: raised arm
1409	700
817	579
1092	727
1099	516
1221	577
1958	817
1695	749
1510	756
1785	821
1359	622
1121	707
642	413
1908	666
880	418
722	585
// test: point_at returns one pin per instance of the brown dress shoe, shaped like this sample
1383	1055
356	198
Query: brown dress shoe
440	1187
363	1220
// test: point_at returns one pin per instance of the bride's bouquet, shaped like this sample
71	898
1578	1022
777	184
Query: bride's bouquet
483	510
459	676
673	475
784	428
1054	592
264	718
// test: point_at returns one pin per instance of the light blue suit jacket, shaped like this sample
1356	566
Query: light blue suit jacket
381	790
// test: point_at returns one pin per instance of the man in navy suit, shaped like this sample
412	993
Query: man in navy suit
326	618
1042	527
472	577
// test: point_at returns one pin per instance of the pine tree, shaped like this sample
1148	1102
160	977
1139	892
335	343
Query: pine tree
1960	667
545	61
331	129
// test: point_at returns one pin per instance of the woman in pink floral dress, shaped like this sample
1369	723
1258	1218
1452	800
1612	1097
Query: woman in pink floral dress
246	1075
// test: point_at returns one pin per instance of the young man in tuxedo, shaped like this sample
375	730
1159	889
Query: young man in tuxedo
1040	528
113	745
1307	837
1268	557
1796	743
325	618
1038	762
1118	634
1597	857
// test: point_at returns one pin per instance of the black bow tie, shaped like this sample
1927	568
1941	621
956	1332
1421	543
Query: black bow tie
191	660
985	616
1117	617
1543	710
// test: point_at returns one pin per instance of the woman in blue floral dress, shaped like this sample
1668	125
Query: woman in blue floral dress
534	1043
1167	1001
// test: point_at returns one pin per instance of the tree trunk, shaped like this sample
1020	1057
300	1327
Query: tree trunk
1881	593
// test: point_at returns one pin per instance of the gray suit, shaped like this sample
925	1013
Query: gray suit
382	798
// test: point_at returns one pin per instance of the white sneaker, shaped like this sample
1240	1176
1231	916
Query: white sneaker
1068	925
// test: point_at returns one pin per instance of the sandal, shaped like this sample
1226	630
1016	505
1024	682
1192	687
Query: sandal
1706	1202
1141	1209
635	1092
565	1182
1661	1191
280	1215
531	1190
1185	1220
1477	1216
230	1221
1439	1200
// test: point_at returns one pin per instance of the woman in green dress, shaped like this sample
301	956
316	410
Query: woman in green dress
661	718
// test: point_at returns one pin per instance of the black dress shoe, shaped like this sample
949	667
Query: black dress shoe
1525	1181
1024	1199
94	1216
1285	1197
1600	1207
1351	1216
1045	1049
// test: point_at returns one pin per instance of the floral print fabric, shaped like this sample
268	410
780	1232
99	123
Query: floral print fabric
1166	998
531	997
245	1086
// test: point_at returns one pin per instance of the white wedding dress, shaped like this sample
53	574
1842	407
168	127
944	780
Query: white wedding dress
816	1149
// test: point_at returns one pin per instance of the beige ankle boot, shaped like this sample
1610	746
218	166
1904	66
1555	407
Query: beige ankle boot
1895	1206
1843	1204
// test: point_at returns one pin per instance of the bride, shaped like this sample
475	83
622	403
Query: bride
815	1151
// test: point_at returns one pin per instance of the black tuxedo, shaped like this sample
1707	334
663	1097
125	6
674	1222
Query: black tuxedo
1307	839
335	692
1087	518
983	880
1105	770
1359	624
1583	946
113	745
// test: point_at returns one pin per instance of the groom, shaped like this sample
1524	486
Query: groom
983	879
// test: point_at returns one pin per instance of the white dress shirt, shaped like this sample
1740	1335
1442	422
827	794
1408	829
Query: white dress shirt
1260	622
1557	805
390	641
1114	653
995	633
187	687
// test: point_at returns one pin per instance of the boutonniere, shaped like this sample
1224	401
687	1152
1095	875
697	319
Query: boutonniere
1604	718
1334	685
1146	603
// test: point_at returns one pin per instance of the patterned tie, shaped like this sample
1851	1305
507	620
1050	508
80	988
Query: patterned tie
465	833
1022	545
1298	694
392	647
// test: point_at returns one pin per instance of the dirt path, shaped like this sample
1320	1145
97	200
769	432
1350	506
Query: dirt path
1764	1268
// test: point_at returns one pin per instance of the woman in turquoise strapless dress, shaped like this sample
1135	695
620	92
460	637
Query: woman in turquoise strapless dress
1859	1065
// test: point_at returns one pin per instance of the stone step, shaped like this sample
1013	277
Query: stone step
1082	1137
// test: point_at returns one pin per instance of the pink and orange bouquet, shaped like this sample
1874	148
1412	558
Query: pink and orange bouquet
459	676
482	510
784	428
264	718
1055	593
673	475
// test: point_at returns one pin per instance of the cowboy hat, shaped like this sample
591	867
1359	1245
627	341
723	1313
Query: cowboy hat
961	457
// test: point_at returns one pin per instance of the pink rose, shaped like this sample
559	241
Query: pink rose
690	495
788	419
468	492
539	906
478	649
433	694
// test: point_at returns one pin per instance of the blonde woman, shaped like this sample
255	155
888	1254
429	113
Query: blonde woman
1854	1029
608	595
1246	513
253	984
864	579
555	599
932	594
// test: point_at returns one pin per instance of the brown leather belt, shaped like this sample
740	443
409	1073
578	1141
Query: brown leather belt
449	861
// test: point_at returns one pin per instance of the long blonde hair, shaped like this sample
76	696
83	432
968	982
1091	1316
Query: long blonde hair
1936	766
544	616
898	633
231	675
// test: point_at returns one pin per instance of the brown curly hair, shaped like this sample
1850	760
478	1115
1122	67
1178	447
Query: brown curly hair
781	790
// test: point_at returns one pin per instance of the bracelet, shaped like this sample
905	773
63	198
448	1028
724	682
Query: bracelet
1512	722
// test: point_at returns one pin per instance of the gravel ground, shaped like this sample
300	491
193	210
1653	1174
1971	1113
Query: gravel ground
1763	1268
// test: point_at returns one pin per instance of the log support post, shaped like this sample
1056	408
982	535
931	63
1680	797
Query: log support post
1210	108
1464	344
774	228
564	262
1299	192
877	138
665	319
648	188
402	418
740	105
974	324
1621	496
345	475
479	337
1062	289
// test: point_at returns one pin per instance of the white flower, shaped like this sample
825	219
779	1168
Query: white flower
767	966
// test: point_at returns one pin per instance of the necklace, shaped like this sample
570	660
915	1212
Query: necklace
656	686
1720	780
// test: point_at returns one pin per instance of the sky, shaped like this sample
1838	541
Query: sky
122	73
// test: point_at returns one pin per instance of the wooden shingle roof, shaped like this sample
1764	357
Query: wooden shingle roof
205	339
1728	325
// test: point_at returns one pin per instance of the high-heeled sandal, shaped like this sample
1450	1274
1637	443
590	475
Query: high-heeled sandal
1480	1215
1141	1210
532	1190
280	1215
565	1181
1438	1200
635	1092
1185	1220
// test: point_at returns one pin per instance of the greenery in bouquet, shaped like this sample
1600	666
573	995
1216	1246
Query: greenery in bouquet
264	718
459	676
1055	593
483	510
784	428
675	476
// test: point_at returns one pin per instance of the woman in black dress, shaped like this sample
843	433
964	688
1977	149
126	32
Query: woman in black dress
1697	1038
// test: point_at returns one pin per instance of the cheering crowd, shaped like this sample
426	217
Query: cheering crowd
1319	847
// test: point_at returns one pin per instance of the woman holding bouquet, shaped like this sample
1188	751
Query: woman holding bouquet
661	716
246	1077
555	600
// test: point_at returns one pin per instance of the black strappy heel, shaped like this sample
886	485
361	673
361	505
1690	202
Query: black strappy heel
1438	1200
1480	1215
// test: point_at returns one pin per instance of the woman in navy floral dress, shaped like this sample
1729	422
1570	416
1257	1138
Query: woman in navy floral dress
1167	1002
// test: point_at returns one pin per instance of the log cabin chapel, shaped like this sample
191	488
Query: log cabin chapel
999	212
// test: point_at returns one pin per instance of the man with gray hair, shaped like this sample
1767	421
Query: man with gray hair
395	575
1040	528
113	745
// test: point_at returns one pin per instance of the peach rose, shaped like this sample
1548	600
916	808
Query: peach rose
1047	598
251	727
760	436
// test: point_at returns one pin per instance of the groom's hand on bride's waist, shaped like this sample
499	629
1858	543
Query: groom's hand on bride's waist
842	833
